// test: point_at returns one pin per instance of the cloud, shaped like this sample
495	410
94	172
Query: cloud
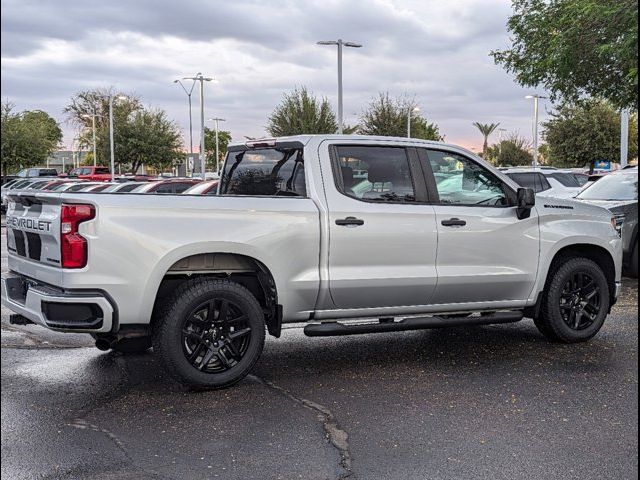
434	51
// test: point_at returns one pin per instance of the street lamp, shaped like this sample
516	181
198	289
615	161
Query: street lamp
93	125
188	92
111	142
536	99
217	128
500	137
624	137
201	79
339	44
411	111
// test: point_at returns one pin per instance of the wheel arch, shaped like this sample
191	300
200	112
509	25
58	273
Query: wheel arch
597	253
245	268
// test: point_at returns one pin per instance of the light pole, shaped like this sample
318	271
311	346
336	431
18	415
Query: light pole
188	92
339	44
500	134
624	137
200	78
411	111
217	152
111	142
536	99
93	126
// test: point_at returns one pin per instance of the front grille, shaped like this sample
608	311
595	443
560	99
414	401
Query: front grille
35	245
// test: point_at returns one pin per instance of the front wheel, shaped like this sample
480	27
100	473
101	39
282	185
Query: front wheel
210	334
576	302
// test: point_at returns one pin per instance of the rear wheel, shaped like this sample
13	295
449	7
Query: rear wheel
210	333
575	303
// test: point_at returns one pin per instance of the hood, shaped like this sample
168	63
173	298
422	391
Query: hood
613	205
554	205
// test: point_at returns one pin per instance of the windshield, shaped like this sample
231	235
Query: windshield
623	186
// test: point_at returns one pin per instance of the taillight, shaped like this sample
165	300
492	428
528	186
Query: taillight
73	246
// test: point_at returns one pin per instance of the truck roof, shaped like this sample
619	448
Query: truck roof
304	139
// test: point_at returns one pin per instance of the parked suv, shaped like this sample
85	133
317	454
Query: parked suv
546	181
37	172
349	234
618	192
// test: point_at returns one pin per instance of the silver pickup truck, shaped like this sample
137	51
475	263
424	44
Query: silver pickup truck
348	234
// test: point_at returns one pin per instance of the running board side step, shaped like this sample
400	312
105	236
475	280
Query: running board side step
334	329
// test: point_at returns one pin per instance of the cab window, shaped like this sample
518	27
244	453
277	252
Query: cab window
461	181
374	174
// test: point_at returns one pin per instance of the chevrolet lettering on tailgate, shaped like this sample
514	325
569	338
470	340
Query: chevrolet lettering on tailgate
23	223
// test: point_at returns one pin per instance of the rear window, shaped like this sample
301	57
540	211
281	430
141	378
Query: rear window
566	179
533	180
266	172
102	170
46	172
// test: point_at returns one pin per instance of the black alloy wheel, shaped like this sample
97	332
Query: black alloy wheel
209	333
575	301
580	301
216	335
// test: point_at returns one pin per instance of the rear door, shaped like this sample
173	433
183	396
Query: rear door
382	230
485	253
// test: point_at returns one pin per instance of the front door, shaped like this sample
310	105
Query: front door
382	231
485	253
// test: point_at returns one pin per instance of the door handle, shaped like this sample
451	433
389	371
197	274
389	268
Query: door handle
349	222
453	222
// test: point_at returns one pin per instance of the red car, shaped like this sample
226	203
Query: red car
93	174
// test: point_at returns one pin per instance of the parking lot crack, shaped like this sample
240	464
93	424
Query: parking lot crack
82	424
335	435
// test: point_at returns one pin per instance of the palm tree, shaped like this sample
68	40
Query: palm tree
486	129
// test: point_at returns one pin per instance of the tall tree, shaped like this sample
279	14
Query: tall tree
301	112
85	103
486	129
388	116
147	137
513	151
28	137
224	138
581	133
576	47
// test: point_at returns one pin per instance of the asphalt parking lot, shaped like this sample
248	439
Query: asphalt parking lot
496	402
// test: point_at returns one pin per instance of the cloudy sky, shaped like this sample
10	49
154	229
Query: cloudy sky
435	51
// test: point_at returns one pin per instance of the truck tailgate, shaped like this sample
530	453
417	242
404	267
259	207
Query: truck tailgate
33	235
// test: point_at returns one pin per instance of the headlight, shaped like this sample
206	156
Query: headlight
616	222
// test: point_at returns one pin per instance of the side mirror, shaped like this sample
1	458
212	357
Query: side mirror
526	201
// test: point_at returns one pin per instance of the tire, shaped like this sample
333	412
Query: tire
571	311
132	345
205	344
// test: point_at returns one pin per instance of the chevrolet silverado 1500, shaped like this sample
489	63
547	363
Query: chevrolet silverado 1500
349	234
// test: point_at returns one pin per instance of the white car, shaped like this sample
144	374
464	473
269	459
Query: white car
425	235
123	187
549	182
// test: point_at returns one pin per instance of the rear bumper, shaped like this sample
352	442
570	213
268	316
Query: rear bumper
58	309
